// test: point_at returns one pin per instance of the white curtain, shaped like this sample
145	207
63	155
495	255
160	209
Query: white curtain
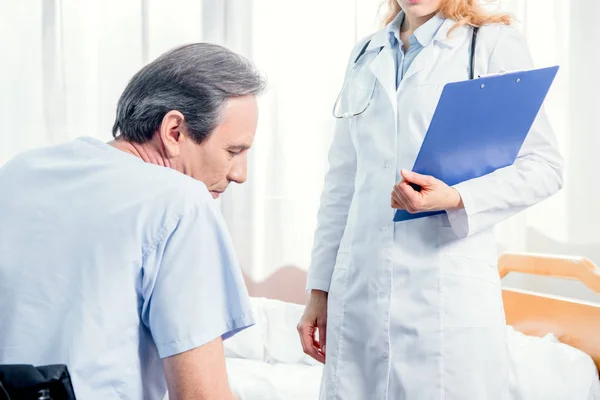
65	62
302	47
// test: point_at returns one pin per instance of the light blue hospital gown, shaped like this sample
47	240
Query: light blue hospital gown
108	264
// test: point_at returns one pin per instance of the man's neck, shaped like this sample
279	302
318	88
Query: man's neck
151	152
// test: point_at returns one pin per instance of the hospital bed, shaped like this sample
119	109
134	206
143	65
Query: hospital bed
553	342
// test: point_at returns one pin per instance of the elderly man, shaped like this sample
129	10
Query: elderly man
114	258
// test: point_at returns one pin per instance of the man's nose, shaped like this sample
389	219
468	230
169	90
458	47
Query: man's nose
238	172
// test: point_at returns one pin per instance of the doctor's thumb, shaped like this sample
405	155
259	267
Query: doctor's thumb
413	177
407	175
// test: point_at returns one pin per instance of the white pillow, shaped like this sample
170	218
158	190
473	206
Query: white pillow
249	344
544	368
282	342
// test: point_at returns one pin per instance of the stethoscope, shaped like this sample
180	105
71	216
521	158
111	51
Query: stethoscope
355	64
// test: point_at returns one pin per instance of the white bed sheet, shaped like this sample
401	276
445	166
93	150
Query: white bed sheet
544	368
266	362
259	380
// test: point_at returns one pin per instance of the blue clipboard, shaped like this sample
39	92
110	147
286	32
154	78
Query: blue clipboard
479	126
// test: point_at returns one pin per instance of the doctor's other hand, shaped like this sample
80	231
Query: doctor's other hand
314	323
434	194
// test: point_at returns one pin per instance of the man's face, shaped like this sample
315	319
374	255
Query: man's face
222	157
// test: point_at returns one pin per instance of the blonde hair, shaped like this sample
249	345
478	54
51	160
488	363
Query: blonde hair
464	12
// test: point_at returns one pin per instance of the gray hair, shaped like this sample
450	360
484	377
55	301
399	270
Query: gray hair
196	80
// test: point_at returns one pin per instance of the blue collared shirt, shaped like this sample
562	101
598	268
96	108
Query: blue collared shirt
108	264
422	37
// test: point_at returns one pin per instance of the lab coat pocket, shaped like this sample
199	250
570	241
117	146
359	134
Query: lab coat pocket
343	258
471	293
480	246
336	306
337	288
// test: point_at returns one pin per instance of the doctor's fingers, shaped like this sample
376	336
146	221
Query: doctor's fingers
396	205
412	200
402	194
307	338
397	201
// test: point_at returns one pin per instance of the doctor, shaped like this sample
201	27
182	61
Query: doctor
413	310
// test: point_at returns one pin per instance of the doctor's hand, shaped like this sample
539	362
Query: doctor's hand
434	195
313	321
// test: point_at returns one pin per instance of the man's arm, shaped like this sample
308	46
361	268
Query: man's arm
198	374
193	292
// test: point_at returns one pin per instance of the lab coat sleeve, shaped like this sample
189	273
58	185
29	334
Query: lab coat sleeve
335	201
537	172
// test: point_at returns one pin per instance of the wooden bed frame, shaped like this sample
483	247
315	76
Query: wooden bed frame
573	322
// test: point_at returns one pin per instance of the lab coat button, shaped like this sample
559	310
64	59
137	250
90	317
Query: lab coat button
381	295
387	164
385	356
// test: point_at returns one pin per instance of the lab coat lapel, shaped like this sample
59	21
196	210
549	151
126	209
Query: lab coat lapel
424	59
383	65
427	56
383	69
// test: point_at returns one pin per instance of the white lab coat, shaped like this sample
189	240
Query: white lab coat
415	309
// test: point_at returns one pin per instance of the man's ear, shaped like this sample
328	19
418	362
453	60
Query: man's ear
171	132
